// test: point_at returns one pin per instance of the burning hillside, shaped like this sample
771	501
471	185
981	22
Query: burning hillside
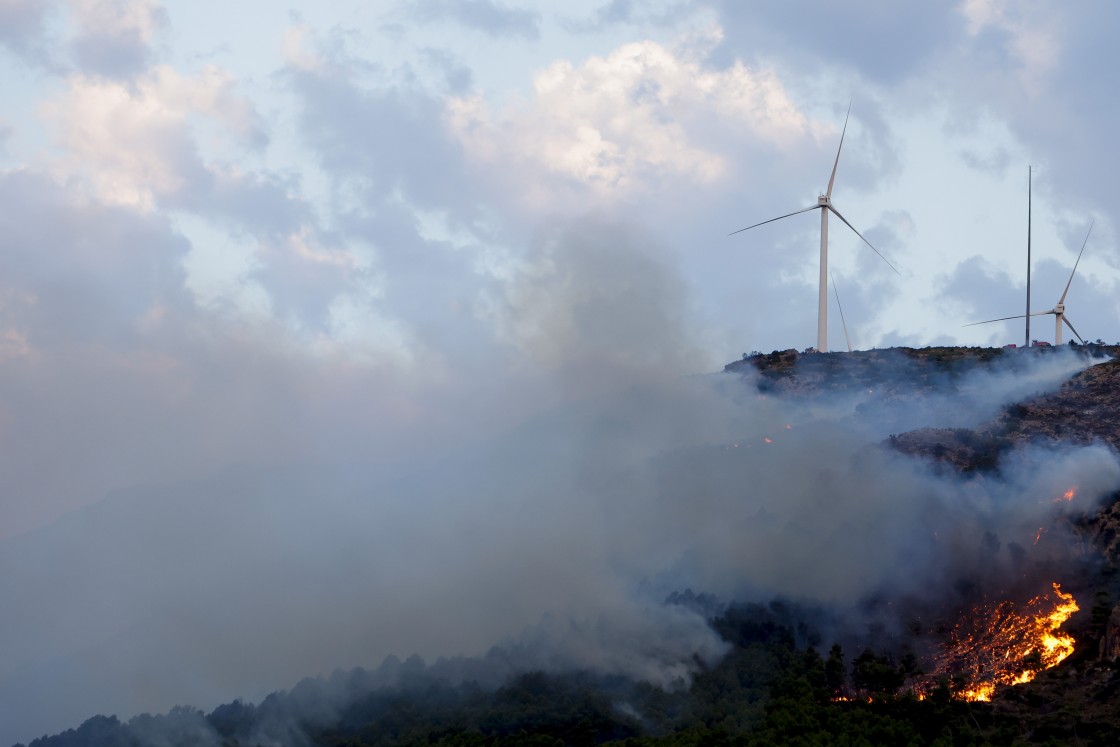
1003	643
996	635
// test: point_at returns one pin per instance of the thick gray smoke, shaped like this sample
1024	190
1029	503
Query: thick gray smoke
560	537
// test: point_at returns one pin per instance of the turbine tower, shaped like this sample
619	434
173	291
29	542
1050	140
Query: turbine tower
824	204
1059	310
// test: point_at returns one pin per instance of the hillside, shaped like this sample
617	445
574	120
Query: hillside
900	370
1082	411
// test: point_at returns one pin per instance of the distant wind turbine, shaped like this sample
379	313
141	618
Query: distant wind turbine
1059	310
824	204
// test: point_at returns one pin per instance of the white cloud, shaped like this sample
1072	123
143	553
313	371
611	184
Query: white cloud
638	119
134	142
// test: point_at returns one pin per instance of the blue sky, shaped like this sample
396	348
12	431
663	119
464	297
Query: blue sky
306	234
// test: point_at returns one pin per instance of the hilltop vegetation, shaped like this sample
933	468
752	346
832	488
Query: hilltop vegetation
925	368
1082	411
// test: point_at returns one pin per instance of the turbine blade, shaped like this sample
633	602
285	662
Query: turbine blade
1017	316
1001	319
763	223
836	163
836	293
849	225
1071	329
1075	264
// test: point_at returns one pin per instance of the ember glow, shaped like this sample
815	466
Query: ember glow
1066	496
1005	644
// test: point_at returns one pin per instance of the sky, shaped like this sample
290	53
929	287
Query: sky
263	233
222	215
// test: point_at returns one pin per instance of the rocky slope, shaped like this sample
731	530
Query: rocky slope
1083	410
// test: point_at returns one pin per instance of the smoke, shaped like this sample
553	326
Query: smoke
624	480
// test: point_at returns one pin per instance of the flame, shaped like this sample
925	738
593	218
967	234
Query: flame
1067	496
982	692
1037	537
767	439
1005	644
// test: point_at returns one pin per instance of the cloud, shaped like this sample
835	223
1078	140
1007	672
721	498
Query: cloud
294	48
626	12
23	28
1033	48
140	145
135	142
114	37
6	132
490	17
636	120
880	41
78	272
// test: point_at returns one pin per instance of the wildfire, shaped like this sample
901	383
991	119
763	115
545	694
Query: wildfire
767	439
1006	644
1067	496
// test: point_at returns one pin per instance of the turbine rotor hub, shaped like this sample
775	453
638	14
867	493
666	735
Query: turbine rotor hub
824	200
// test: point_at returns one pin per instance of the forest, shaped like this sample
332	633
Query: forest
773	687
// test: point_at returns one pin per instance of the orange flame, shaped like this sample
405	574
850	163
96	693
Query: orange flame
981	692
1067	496
999	644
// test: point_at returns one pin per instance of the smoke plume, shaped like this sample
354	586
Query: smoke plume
626	477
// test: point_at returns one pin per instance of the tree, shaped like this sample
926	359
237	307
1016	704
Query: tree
876	675
834	673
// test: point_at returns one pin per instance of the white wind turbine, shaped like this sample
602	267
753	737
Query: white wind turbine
824	204
1059	310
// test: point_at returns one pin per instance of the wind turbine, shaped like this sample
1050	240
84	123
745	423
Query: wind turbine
1059	310
824	204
